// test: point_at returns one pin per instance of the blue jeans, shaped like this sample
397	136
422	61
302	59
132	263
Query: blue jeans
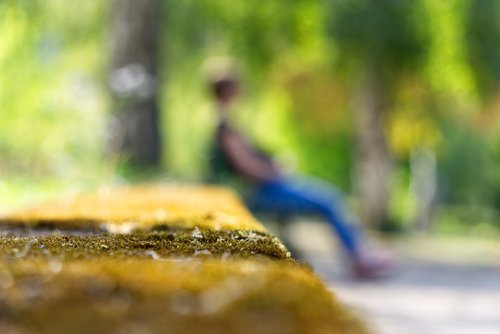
304	196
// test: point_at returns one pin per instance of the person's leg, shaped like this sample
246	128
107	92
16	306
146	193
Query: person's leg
289	197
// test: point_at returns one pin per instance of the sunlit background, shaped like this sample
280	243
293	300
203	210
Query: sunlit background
424	73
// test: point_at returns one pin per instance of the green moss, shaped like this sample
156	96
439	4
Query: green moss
167	243
141	208
197	296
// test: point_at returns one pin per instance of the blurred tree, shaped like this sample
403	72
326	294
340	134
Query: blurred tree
377	43
482	47
482	25
133	80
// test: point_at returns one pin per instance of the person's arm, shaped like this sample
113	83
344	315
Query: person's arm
246	160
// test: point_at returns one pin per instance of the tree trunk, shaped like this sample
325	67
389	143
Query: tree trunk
423	172
373	163
135	132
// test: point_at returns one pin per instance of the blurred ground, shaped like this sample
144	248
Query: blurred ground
442	285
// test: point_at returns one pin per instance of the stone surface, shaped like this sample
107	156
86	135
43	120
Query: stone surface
125	209
156	259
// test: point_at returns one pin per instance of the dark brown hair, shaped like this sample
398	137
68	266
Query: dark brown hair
220	87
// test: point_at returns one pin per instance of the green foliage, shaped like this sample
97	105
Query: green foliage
476	221
51	98
466	165
254	32
388	35
447	70
483	40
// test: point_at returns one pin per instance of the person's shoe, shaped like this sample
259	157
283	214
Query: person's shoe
373	266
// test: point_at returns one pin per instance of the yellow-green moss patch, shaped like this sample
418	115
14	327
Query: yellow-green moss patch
156	259
196	296
171	243
141	208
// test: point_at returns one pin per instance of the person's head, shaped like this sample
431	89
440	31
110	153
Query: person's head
225	89
222	78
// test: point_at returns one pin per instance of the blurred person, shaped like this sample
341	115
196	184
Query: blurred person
274	191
